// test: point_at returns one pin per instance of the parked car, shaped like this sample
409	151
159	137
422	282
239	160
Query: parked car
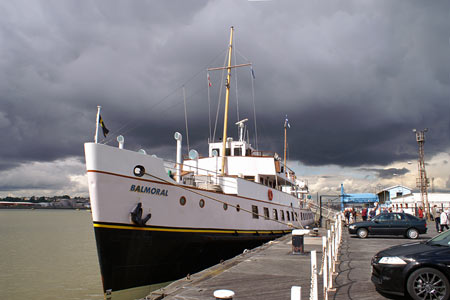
390	224
420	269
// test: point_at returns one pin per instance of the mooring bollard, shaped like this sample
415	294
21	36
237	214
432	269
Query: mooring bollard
223	294
296	293
298	241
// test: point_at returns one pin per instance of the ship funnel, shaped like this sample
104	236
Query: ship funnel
178	137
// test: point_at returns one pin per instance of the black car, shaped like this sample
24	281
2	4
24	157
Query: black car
420	269
390	224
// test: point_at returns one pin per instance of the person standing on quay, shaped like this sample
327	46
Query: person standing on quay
364	214
437	217
421	212
444	220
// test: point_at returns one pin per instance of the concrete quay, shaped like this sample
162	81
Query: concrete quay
269	271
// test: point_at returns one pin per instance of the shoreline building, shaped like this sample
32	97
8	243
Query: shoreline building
387	194
411	202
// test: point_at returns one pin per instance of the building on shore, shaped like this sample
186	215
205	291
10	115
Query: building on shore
411	202
392	192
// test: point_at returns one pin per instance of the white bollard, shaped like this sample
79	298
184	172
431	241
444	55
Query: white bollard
325	267
315	284
330	263
223	294
296	293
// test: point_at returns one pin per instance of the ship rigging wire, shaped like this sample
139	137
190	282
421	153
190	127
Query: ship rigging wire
133	124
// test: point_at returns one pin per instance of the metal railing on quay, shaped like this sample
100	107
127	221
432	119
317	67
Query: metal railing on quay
331	244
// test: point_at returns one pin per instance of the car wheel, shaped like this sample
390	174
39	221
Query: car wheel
412	233
362	233
428	283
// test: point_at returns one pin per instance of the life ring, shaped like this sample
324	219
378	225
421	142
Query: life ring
270	194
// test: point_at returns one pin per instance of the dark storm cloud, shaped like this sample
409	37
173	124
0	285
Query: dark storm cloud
353	77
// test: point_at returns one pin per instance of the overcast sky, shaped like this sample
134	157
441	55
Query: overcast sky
353	77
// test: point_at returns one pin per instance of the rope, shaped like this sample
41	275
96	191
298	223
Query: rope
323	260
220	97
254	108
236	84
296	218
162	100
209	103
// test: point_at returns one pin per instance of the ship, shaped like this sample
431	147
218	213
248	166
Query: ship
154	225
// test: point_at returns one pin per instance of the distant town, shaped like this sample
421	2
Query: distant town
57	202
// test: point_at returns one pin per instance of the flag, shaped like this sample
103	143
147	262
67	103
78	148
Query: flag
102	124
286	123
253	73
209	80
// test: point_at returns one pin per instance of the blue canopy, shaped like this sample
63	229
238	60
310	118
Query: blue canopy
359	198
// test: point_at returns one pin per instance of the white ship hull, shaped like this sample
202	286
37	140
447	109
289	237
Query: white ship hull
179	236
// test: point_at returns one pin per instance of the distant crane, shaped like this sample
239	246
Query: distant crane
422	182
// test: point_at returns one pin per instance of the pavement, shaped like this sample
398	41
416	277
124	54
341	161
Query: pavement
354	270
269	271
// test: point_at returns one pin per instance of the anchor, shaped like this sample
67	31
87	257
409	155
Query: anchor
136	216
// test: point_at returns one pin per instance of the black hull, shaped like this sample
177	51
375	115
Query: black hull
134	256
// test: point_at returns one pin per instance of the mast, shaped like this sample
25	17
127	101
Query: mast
285	142
286	125
227	96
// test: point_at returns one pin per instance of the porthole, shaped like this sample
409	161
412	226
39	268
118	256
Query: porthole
225	206
139	171
238	207
201	203
182	200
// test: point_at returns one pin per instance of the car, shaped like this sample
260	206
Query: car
420	269
390	224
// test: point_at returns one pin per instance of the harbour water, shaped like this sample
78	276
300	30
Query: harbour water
48	254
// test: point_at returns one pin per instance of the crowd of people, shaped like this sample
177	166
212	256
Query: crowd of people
441	218
351	214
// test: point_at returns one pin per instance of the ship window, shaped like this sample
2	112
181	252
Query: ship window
225	206
237	152
288	217
227	152
218	151
248	152
201	203
282	215
255	213
296	217
238	207
292	215
182	200
266	213
275	214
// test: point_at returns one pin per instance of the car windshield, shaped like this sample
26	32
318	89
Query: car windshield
443	239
